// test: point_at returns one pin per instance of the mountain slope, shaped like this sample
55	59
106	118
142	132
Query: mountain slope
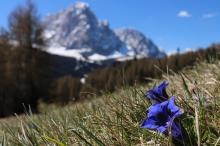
138	44
114	119
76	32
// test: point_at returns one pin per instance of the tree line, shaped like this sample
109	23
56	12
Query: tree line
140	70
26	70
128	73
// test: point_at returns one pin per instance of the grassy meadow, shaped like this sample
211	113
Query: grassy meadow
115	118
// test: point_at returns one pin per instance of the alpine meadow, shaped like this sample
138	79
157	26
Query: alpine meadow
68	78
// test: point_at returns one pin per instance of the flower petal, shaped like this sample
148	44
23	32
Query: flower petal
162	89
158	94
156	108
176	130
162	129
149	123
173	109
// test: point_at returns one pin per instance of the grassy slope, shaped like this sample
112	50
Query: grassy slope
114	119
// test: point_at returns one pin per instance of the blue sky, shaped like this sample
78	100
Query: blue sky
169	23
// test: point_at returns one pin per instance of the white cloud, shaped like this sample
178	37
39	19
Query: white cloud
209	15
184	13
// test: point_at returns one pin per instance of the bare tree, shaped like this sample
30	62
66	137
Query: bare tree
29	66
25	26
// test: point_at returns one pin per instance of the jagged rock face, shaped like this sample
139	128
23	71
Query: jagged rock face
76	32
136	41
77	27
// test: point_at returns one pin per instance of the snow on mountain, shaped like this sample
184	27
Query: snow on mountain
76	28
76	32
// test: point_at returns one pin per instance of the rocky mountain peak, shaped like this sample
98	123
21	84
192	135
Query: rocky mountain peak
139	43
76	32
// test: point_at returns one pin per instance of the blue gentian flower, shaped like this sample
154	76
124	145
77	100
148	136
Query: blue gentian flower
158	94
162	116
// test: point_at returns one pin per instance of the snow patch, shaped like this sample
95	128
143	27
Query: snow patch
81	5
77	33
62	51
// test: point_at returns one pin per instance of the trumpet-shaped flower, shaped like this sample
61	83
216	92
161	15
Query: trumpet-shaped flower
161	117
158	94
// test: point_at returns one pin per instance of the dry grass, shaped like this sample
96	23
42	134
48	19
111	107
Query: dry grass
114	119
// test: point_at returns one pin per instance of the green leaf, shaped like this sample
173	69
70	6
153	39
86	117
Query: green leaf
54	141
185	86
81	137
99	142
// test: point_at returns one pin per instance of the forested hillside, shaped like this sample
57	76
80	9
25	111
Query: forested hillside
115	118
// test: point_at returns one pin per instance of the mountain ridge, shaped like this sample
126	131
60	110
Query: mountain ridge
76	32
